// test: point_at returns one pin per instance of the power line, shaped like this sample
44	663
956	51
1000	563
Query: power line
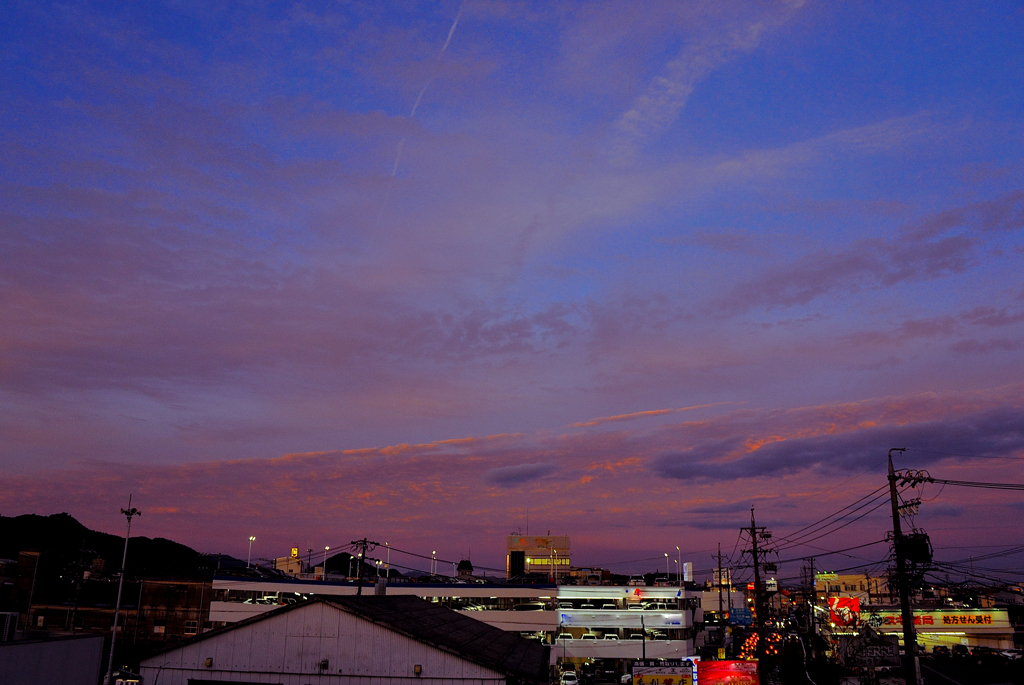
974	484
827	553
802	542
823	523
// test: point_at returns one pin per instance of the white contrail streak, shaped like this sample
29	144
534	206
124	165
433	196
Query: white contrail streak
451	31
419	96
412	114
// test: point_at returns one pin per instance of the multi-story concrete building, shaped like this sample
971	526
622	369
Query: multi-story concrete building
533	554
581	623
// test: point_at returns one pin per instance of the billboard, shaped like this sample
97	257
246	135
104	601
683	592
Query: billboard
869	650
947	620
665	672
727	673
741	616
844	612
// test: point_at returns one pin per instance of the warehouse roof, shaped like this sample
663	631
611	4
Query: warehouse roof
430	623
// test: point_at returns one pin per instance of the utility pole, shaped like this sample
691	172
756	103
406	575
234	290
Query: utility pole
912	665
756	552
719	582
364	545
129	513
756	559
814	597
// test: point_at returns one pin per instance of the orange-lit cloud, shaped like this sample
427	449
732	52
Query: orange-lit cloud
642	415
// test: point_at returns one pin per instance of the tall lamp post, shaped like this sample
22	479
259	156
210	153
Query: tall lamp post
668	573
129	513
388	566
326	549
248	559
433	562
679	568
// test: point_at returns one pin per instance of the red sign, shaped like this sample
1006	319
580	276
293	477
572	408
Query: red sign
844	611
727	672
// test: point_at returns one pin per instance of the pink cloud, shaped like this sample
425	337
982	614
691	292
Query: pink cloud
587	483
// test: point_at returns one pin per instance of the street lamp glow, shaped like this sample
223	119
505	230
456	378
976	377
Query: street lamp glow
679	568
248	560
325	561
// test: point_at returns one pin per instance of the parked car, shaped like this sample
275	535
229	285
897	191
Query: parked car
636	636
565	605
636	581
569	678
609	605
589	636
656	606
940	650
961	650
611	636
530	606
564	636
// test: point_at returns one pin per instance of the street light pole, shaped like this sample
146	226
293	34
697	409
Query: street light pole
668	573
129	513
389	559
433	562
325	561
248	559
679	568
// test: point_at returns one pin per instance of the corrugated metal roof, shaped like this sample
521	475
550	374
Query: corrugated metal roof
438	626
454	631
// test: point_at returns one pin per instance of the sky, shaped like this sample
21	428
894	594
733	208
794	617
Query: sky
429	271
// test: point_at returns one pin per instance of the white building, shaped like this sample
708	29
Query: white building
351	640
580	622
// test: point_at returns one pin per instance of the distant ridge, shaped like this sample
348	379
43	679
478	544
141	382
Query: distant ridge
62	538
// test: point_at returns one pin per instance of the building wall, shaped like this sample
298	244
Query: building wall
171	611
74	661
544	553
868	589
709	600
290	647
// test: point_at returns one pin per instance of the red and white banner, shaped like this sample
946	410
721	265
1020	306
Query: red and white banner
844	611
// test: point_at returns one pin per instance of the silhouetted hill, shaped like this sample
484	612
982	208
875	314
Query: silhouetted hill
62	538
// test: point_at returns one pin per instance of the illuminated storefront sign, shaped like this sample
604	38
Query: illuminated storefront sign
946	620
844	611
727	673
665	672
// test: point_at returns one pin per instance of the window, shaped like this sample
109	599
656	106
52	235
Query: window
159	629
191	627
